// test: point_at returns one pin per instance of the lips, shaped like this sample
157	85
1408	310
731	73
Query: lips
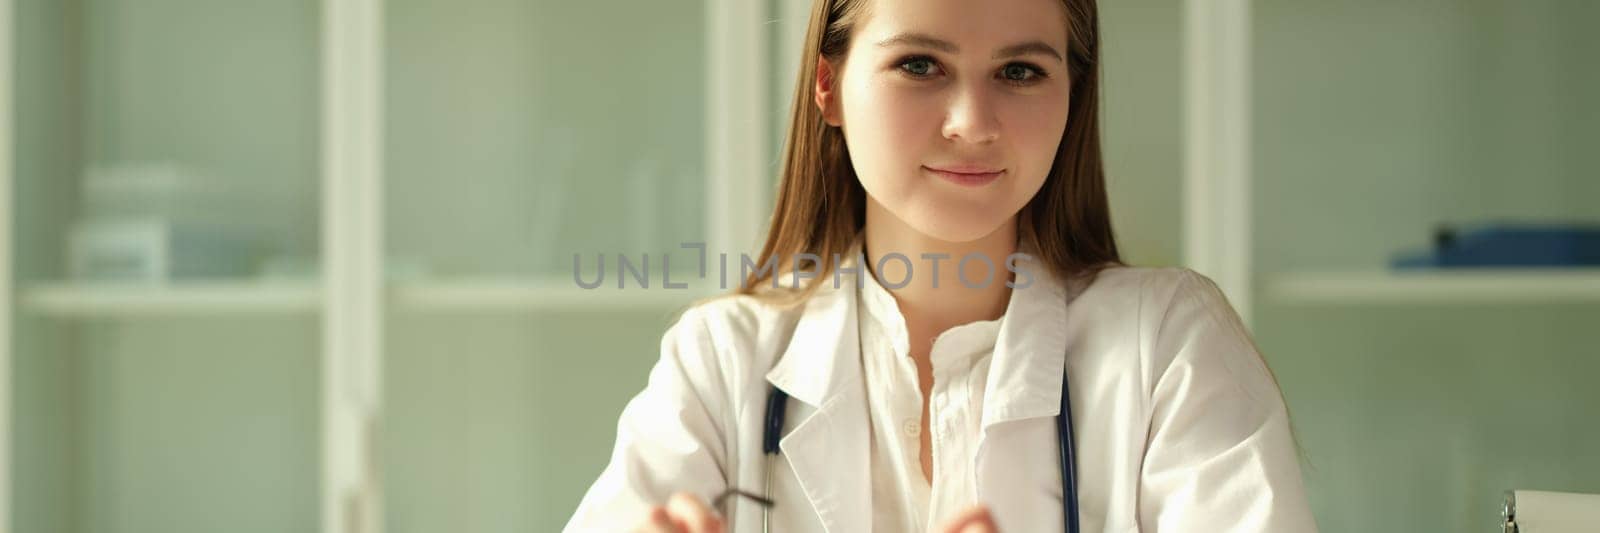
966	174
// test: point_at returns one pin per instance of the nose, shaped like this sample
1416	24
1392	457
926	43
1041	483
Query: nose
971	117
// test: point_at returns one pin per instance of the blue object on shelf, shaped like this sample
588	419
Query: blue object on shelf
1508	245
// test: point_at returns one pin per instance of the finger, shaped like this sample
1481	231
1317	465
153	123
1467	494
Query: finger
692	514
658	521
975	519
981	526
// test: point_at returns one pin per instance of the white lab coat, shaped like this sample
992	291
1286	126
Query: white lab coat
1179	425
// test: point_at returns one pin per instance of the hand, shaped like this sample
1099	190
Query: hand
975	519
683	513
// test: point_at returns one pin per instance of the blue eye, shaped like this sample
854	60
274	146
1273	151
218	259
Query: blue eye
1021	73
920	67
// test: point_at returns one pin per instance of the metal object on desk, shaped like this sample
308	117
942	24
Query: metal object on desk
1536	511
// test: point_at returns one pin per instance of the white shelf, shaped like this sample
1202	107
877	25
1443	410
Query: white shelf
117	299
91	299
535	294
1475	286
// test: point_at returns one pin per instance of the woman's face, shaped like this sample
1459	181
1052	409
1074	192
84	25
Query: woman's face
952	109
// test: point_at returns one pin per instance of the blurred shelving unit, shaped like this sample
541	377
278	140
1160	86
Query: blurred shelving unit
363	117
133	300
1466	286
102	300
532	294
1327	139
97	399
528	294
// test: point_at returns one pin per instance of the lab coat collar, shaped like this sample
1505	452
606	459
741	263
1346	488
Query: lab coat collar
823	356
1029	362
824	352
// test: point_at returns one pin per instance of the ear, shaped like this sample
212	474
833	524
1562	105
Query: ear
825	93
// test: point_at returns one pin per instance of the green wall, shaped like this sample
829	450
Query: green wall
1376	120
500	422
198	424
43	381
1142	119
531	123
519	133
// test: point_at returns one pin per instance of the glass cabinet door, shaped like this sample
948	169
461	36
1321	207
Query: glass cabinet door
518	136
164	219
1421	395
198	192
519	133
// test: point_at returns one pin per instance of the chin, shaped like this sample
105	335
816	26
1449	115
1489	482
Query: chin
949	226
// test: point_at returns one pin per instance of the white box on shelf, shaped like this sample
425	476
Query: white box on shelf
155	250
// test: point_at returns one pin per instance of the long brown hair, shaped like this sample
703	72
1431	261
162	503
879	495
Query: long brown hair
821	206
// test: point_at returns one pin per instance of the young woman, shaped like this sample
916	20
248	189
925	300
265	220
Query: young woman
943	191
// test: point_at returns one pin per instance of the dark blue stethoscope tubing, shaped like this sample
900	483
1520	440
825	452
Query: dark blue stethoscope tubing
777	402
1069	461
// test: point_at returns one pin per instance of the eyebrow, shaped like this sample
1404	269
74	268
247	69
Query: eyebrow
929	41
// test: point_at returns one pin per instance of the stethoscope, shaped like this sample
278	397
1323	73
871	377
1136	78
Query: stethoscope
772	430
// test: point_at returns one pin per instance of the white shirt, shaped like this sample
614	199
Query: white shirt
902	498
